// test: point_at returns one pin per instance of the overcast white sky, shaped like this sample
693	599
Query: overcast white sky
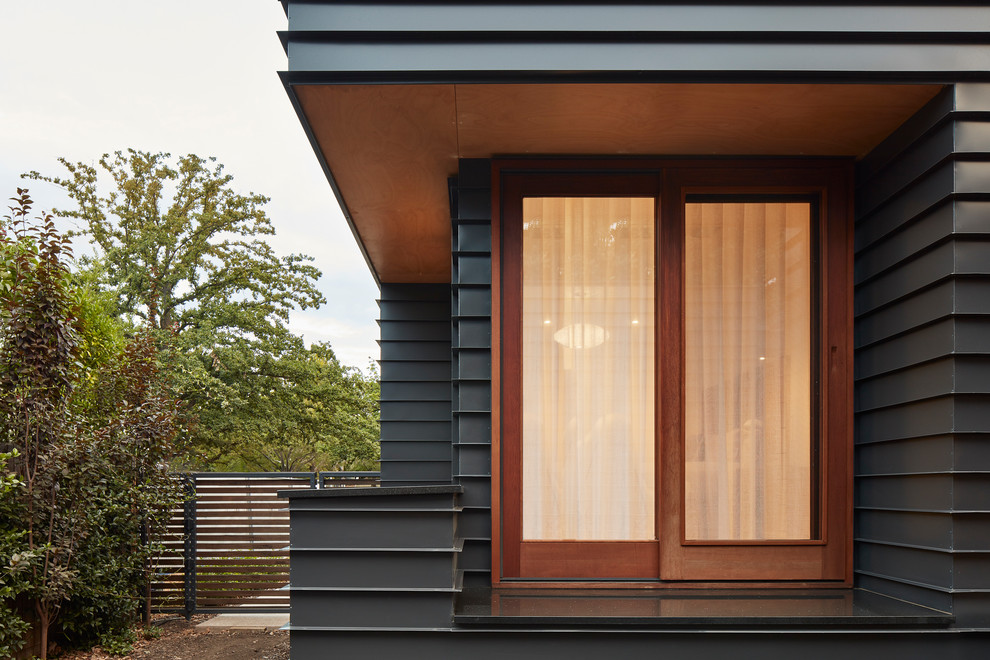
78	79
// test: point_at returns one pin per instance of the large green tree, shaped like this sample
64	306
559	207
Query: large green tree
183	251
182	248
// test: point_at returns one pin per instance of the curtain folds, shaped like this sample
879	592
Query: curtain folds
588	368
747	371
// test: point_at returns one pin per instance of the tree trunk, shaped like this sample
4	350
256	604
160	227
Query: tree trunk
44	620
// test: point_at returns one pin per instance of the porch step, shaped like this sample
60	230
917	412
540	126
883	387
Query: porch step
690	609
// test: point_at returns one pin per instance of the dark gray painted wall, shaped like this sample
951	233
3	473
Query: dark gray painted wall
471	365
922	338
415	377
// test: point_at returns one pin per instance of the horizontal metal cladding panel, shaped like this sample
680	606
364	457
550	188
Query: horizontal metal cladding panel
921	567
415	330
972	414
951	139
474	459
437	292
576	54
971	492
929	342
409	371
476	555
415	351
474	173
961	256
929	454
604	17
475	238
370	500
474	363
473	301
373	570
907	134
415	391
919	272
932	530
477	578
474	204
474	269
922	418
961	177
912	593
918	159
972	610
415	431
925	492
415	449
918	236
908	313
415	411
971	451
971	571
373	609
922	381
539	644
473	395
414	310
473	333
474	523
473	427
477	491
961	297
972	97
436	472
969	374
924	194
372	529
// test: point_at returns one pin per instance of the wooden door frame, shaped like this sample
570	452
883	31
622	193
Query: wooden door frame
831	178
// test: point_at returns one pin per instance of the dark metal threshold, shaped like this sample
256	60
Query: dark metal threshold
691	609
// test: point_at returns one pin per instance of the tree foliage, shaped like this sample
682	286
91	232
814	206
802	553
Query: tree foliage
182	251
88	442
300	410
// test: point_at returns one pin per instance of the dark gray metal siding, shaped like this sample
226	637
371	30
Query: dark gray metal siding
415	377
372	558
637	41
922	337
471	365
594	644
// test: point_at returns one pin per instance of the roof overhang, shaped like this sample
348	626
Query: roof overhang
388	149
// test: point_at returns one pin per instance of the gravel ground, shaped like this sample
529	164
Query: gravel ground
181	640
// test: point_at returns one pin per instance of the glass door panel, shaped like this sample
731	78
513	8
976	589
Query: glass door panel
588	369
748	440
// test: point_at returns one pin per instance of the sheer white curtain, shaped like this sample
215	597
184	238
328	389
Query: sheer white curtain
747	371
588	368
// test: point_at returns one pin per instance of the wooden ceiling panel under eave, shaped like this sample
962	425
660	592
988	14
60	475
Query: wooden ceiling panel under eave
390	148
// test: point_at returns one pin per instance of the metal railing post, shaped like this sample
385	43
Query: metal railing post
189	547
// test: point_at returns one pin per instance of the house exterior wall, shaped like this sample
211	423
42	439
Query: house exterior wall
922	304
415	380
634	41
922	335
471	362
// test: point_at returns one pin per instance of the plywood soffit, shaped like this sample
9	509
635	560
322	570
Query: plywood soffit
390	148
